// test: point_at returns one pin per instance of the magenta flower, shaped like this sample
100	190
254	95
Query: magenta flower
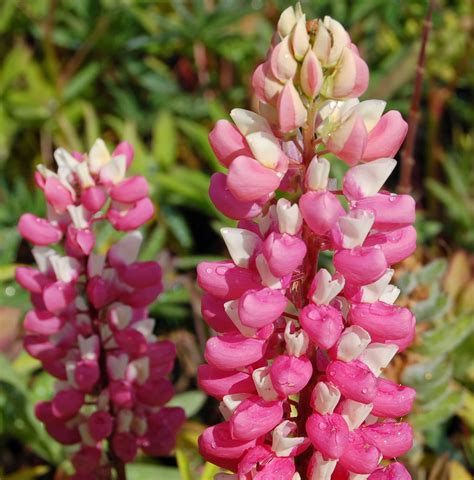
89	326
298	359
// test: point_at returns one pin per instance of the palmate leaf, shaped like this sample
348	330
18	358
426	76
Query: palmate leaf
439	411
446	337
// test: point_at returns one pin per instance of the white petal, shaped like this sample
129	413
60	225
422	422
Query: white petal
352	343
98	156
265	148
355	413
241	244
355	226
289	216
326	397
377	356
370	111
372	292
249	122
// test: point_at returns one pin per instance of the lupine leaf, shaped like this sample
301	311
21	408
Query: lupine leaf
447	337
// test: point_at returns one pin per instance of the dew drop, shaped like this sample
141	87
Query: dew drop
221	270
364	391
322	426
209	270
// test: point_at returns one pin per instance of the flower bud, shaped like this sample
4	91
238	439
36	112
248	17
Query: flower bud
282	63
359	457
322	323
349	139
391	438
300	38
317	174
38	230
292	113
367	179
328	434
353	379
258	308
231	351
219	383
248	180
227	142
392	400
361	265
290	374
386	137
320	210
255	417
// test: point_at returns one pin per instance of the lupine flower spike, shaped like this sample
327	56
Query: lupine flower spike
298	359
89	326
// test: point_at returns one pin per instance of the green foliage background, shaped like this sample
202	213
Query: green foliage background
158	74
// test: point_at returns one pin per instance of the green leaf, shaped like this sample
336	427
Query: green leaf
428	377
178	226
164	140
446	337
434	307
432	272
438	413
142	471
197	135
191	402
81	80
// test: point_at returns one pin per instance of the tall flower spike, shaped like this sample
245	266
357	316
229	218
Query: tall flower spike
89	326
298	360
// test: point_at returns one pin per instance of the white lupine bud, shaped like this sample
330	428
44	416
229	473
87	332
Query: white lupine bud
390	294
367	179
65	159
66	269
311	75
282	63
89	347
115	170
249	122
296	342
241	244
322	43
377	356
99	156
286	22
325	397
300	38
339	39
263	384
355	226
95	264
127	248
289	216
117	366
230	403
354	413
78	216
352	342
138	370
372	292
370	111
232	310
282	443
86	438
327	287
268	279
265	148
84	176
317	174
323	469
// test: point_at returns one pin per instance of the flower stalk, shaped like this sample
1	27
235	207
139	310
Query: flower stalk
89	326
297	363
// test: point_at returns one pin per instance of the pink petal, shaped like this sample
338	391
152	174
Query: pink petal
320	210
393	439
361	265
227	142
38	230
354	380
248	180
284	253
322	323
231	351
130	190
328	433
218	383
290	374
386	137
258	308
255	417
226	203
392	400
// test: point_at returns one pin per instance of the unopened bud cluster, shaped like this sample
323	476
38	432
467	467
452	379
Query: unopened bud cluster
298	359
89	325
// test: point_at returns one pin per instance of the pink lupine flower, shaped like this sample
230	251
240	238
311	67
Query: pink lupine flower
297	363
89	325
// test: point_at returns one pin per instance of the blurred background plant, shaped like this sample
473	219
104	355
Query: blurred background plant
158	74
